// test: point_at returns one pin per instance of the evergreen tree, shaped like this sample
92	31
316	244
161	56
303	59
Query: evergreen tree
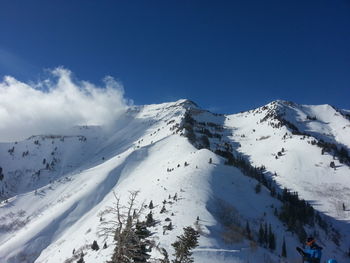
149	219
163	209
273	191
95	246
81	259
261	235
247	229
150	206
141	243
272	241
284	249
141	230
166	256
183	246
266	235
170	226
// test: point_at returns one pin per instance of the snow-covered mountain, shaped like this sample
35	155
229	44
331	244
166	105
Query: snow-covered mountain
218	173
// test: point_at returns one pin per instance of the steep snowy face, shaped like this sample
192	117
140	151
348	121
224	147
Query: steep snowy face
323	122
305	148
55	186
39	160
222	174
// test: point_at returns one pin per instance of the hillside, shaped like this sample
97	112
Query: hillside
204	168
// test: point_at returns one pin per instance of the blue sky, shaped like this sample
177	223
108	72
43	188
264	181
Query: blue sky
227	56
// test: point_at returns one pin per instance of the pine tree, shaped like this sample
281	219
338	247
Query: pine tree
81	260
247	229
140	243
266	235
166	256
141	230
284	249
170	226
272	241
149	219
183	246
150	206
95	246
163	210
261	235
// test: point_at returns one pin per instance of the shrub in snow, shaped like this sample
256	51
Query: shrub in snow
95	246
163	210
81	260
149	220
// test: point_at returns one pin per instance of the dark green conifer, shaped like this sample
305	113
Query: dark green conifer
284	249
183	246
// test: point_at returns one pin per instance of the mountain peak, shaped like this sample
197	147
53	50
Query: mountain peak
187	103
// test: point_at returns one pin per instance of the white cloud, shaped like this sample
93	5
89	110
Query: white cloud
56	104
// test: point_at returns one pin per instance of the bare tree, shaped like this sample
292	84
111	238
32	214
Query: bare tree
127	231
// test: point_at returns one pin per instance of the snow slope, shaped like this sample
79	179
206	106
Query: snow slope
301	166
46	215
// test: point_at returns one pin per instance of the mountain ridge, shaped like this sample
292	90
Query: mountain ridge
135	156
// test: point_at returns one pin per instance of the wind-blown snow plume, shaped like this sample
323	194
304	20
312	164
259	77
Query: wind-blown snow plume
56	103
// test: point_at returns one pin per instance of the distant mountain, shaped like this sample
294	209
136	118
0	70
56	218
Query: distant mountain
248	182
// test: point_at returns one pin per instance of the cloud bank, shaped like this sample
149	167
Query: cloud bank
56	104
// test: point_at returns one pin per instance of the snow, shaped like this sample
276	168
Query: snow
143	152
